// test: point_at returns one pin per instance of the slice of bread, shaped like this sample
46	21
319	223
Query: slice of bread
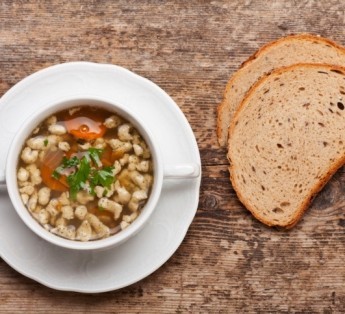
302	48
287	139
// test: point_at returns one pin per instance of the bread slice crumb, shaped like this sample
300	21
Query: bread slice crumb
287	139
286	51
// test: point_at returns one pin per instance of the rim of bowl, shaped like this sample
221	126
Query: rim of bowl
13	158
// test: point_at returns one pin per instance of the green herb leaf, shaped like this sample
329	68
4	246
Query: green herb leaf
77	180
56	175
103	177
95	154
66	163
46	142
106	176
72	162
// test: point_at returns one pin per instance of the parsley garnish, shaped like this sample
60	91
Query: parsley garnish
95	154
103	177
77	180
45	142
86	173
66	163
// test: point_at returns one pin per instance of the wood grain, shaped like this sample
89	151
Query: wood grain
228	262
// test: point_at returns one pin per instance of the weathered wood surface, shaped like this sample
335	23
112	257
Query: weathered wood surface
228	262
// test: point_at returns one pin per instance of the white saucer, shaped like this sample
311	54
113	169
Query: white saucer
93	272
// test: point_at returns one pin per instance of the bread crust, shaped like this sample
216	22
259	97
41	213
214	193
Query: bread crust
302	36
322	181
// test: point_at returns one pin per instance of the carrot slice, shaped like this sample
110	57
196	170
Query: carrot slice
106	157
50	162
86	124
117	154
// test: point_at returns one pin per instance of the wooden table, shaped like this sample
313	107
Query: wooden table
228	262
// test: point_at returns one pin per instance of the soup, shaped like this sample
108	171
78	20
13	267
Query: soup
85	173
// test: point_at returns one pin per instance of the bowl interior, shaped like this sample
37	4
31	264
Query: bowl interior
13	158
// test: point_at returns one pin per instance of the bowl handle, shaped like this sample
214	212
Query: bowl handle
181	171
